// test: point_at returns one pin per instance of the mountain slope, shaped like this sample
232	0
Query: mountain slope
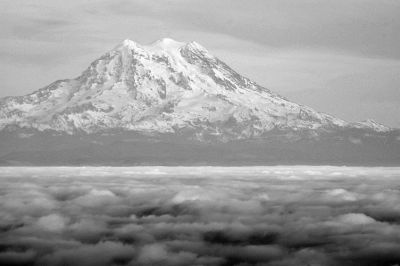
173	92
165	87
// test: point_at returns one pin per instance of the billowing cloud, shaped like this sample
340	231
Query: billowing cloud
52	222
199	216
355	219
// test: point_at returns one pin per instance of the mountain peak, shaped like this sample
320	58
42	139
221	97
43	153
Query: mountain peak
128	43
166	41
372	124
165	86
166	44
157	103
196	46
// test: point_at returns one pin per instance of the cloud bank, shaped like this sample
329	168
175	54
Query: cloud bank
199	216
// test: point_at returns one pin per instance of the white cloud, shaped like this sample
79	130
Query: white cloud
210	217
355	219
341	194
52	222
153	253
96	198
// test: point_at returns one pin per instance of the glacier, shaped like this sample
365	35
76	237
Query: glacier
174	103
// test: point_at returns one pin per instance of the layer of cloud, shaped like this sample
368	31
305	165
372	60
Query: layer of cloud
199	216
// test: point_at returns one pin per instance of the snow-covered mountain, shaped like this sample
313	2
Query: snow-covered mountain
371	124
175	103
165	87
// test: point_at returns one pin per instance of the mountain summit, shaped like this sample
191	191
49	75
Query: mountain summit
167	86
170	89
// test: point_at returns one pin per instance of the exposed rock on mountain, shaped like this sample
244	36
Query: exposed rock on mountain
173	92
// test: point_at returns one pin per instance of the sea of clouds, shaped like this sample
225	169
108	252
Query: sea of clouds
199	216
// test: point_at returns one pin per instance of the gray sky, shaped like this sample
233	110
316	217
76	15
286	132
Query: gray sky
341	57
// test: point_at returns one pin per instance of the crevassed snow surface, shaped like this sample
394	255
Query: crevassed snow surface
162	87
279	215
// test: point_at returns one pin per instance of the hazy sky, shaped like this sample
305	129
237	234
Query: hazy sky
340	57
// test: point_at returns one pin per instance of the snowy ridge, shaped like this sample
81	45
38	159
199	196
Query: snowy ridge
371	124
164	87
